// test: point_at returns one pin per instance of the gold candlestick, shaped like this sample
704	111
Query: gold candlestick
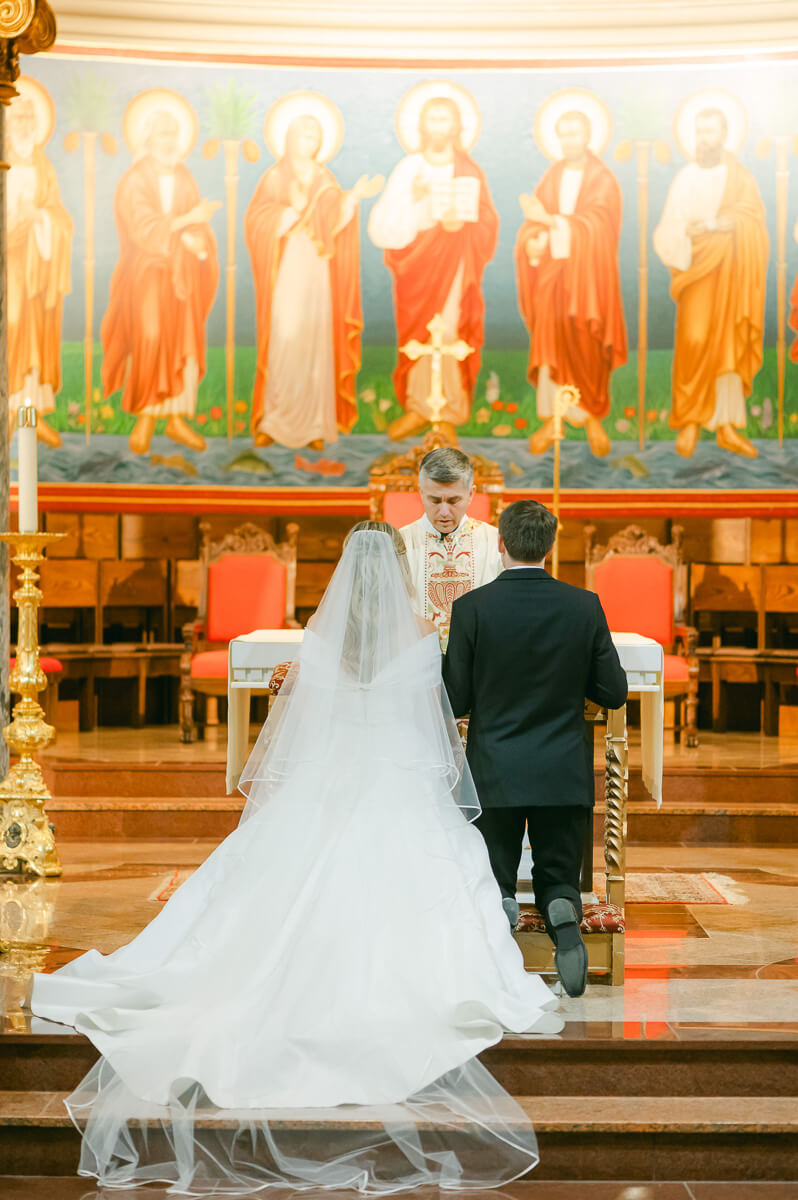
27	845
564	397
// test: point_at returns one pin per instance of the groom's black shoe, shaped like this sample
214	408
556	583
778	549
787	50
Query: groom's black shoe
570	955
511	910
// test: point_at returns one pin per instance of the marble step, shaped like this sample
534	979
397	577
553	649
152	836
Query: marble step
617	1137
112	816
745	1063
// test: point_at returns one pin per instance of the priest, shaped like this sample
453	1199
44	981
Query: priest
449	552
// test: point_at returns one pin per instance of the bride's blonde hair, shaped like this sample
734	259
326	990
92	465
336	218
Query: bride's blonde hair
398	544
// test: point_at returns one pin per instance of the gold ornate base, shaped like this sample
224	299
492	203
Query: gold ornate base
27	845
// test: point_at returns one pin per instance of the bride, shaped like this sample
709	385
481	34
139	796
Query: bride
306	1011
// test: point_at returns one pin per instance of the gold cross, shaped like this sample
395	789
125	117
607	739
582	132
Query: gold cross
435	350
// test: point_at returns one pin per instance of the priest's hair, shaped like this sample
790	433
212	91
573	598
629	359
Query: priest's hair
398	545
447	464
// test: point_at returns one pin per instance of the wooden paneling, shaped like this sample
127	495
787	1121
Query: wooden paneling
187	583
141	582
724	588
767	541
781	589
69	583
791	540
320	538
88	535
159	535
312	579
573	573
721	540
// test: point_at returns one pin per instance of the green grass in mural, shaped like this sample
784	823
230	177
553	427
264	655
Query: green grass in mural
504	405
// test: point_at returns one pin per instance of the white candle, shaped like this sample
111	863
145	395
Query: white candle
27	470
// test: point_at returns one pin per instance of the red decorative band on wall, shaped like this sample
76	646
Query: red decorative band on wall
78	497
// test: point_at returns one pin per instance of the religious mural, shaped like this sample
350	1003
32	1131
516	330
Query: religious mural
186	311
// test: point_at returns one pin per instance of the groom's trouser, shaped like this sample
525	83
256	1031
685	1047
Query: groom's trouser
557	835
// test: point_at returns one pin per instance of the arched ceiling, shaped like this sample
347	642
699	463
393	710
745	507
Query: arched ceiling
433	30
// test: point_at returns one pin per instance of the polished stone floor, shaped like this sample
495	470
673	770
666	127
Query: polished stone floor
61	1188
161	743
693	970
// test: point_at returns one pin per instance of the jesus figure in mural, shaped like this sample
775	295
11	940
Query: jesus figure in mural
436	251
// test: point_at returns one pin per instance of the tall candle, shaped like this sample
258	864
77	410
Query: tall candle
27	471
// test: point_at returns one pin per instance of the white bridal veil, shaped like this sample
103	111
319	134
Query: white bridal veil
307	1011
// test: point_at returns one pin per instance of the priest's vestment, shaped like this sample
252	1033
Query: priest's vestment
445	567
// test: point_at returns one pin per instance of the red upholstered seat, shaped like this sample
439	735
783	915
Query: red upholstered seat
209	664
596	918
677	669
637	596
49	665
245	592
401	508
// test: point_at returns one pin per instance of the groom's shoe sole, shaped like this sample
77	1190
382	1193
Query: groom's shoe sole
511	911
570	954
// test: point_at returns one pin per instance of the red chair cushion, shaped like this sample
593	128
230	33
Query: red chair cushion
676	669
637	596
245	592
402	508
48	665
210	664
596	918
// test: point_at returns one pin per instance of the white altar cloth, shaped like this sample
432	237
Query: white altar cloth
253	657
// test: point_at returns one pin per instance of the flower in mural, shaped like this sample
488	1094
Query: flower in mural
629	412
216	413
483	416
368	396
622	425
497	406
501	431
521	423
492	388
511	408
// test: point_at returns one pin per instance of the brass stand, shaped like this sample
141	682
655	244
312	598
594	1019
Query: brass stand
27	845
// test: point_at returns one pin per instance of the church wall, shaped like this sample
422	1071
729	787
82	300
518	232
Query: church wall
641	122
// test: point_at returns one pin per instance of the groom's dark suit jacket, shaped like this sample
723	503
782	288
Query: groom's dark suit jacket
524	652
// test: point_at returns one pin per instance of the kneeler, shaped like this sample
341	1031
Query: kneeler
604	923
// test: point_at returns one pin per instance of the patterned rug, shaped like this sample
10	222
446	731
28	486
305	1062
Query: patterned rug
642	887
666	887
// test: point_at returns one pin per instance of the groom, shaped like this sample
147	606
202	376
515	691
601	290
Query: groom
524	653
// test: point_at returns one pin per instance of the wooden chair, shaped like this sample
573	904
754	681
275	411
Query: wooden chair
393	486
604	923
248	582
642	588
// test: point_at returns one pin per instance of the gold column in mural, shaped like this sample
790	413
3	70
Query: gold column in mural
230	124
642	152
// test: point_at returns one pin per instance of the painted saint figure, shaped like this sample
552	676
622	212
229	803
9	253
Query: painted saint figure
302	233
438	227
39	258
164	283
713	236
569	288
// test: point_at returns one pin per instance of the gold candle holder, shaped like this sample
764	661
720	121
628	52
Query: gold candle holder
27	845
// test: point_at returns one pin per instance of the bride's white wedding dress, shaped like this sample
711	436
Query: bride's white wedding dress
346	945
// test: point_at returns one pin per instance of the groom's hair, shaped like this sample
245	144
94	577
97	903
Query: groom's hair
447	464
528	530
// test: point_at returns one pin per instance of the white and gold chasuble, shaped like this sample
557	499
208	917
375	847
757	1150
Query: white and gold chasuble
443	568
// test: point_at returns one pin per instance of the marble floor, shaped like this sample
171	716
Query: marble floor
692	970
66	1188
161	744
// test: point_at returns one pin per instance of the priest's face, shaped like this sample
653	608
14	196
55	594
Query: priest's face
445	503
710	137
